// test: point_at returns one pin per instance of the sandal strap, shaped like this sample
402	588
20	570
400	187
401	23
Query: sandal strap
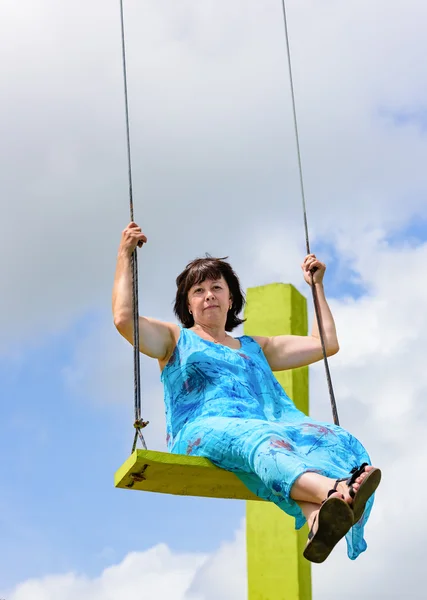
334	490
310	533
355	473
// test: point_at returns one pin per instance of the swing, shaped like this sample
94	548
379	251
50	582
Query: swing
180	475
167	473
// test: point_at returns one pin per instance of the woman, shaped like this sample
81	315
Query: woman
223	401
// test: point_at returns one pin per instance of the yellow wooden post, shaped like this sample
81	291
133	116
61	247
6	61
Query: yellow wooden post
276	568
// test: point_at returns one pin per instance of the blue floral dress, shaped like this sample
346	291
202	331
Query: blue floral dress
226	405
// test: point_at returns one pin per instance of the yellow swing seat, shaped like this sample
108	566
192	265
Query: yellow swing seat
180	475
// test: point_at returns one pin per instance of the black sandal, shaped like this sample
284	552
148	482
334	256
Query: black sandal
334	519
365	491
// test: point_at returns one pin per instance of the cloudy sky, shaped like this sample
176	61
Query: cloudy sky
214	171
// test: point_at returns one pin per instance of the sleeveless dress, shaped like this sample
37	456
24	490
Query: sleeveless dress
226	405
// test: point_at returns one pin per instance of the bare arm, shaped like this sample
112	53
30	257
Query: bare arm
156	338
292	351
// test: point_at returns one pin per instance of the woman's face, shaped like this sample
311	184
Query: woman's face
209	302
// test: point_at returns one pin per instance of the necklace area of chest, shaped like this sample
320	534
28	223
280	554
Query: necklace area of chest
226	342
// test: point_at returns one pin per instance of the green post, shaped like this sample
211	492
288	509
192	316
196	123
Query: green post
276	568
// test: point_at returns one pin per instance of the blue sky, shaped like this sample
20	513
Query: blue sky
414	233
214	171
408	117
59	453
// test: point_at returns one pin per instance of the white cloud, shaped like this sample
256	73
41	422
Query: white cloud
212	136
380	385
157	574
223	575
215	170
101	372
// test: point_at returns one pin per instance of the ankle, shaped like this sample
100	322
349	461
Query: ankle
311	518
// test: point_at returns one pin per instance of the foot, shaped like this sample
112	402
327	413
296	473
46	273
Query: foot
359	488
344	489
312	515
328	526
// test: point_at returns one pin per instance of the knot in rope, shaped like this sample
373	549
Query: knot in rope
140	424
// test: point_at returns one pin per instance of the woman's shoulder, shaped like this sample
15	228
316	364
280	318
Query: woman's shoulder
260	340
175	330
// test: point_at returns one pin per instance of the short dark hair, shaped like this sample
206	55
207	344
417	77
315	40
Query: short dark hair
198	271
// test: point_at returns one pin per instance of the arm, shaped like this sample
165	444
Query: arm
156	338
292	351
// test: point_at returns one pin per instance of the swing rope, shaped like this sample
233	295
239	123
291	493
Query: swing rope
307	240
139	423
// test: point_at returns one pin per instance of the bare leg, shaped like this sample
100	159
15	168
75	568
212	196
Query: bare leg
309	510
328	522
313	488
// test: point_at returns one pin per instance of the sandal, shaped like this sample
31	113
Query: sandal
365	491
334	519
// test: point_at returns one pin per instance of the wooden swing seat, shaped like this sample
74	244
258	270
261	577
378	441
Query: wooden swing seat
180	475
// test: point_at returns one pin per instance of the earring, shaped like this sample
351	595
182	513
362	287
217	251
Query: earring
190	312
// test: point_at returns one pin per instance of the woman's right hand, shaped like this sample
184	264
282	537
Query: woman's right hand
132	237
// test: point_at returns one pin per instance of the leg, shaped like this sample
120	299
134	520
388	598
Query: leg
329	520
312	487
329	524
273	471
310	510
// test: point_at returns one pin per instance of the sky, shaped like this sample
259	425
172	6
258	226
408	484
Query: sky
215	170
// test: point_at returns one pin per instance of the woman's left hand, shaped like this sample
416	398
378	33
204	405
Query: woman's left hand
310	263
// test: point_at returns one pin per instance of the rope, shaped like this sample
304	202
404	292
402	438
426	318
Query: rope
307	240
139	423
